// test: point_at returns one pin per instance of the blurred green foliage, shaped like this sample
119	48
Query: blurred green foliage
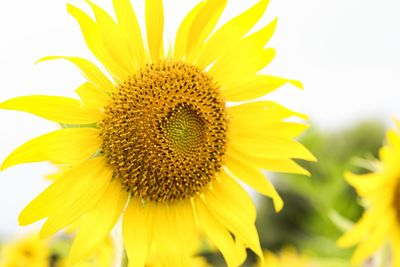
317	208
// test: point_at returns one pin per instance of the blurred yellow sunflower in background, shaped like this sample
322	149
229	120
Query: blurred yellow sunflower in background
287	257
158	142
380	192
28	251
31	251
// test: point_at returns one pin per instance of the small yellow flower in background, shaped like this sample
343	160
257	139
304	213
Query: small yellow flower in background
31	251
380	191
287	257
158	142
28	251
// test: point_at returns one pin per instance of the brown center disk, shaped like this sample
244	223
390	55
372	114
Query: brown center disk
165	132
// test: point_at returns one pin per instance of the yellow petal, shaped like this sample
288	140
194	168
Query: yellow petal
73	227
271	148
241	252
230	33
183	32
155	28
261	38
128	23
55	108
359	231
91	34
114	41
366	184
254	178
245	59
98	223
282	129
104	255
267	139
217	233
169	247
47	202
274	165
281	165
375	240
203	24
259	113
65	146
271	259
287	129
92	73
233	218
54	196
239	64
393	138
229	188
91	180
182	215
92	97
61	169
257	86
136	233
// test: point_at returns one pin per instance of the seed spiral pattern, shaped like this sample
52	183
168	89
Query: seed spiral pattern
165	131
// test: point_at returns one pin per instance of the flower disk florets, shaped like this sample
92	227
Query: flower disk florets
165	131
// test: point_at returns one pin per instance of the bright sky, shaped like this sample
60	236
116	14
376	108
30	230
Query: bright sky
346	52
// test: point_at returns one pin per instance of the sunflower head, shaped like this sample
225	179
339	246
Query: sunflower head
287	257
27	251
164	133
380	192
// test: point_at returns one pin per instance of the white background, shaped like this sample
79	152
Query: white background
346	52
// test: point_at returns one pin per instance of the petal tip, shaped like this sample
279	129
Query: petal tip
305	173
6	164
72	10
349	176
47	230
73	257
312	158
46	58
341	242
298	84
70	7
3	105
278	204
44	232
22	219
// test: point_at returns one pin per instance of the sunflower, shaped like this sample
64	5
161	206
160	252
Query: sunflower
26	251
31	251
157	142
380	192
287	257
